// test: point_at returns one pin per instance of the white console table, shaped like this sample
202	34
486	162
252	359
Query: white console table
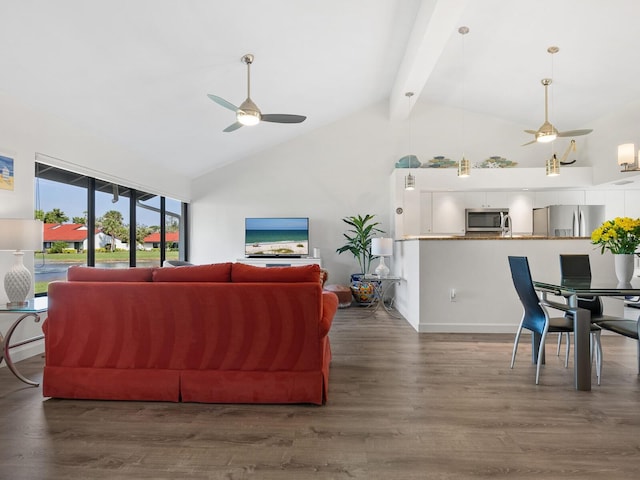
280	261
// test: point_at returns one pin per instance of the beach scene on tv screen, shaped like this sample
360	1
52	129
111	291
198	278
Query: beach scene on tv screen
276	236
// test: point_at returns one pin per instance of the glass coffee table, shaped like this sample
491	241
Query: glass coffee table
34	308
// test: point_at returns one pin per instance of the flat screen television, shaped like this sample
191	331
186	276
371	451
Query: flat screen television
276	237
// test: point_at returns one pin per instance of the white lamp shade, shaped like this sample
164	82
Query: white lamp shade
626	153
382	247
20	234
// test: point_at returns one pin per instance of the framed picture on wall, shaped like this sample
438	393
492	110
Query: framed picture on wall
6	172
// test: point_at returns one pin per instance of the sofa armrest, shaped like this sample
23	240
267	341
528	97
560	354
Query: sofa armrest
329	308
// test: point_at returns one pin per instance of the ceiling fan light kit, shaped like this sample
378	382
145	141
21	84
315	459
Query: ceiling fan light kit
248	113
547	132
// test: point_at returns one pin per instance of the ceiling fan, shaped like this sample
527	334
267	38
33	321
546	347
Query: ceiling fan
547	132
248	112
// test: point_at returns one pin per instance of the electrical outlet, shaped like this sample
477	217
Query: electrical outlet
452	295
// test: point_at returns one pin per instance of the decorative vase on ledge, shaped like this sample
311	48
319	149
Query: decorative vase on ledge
624	267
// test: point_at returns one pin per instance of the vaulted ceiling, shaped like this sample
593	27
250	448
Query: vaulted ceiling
138	72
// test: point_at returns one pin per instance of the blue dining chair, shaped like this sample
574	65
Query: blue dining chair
577	267
536	319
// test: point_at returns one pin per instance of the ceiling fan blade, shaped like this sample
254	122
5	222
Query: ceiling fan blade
222	102
233	126
283	118
532	132
528	143
575	133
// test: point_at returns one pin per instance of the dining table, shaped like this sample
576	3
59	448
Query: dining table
571	289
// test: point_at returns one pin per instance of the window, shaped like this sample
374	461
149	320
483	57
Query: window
130	228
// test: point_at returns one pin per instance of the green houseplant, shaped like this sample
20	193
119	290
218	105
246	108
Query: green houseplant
358	237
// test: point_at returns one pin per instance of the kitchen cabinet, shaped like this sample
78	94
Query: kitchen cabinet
409	220
426	213
448	213
485	199
632	203
559	197
521	212
613	200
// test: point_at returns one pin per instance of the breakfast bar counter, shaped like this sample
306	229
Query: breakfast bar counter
463	284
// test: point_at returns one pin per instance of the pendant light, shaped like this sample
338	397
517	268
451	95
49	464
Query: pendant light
552	166
464	166
409	180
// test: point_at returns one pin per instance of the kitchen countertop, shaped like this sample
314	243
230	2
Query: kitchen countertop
489	237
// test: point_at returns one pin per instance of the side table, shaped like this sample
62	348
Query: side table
381	287
33	308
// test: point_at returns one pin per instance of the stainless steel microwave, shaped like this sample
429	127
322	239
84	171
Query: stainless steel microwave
484	219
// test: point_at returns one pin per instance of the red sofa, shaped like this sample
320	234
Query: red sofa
221	333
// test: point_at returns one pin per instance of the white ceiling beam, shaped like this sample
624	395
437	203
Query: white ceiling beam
434	25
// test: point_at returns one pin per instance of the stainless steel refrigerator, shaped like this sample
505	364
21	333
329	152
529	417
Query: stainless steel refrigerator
567	220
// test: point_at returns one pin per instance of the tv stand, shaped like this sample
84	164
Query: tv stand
280	261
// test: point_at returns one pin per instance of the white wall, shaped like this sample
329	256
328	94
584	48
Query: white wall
609	132
336	171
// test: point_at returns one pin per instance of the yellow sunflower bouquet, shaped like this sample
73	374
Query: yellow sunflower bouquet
620	235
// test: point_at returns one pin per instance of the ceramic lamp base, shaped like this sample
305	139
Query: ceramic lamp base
17	282
382	270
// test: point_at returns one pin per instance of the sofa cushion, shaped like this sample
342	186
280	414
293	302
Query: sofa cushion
242	273
79	273
215	272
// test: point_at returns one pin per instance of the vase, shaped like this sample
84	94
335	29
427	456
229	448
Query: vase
624	267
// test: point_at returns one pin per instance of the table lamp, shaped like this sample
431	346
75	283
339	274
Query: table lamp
382	247
17	235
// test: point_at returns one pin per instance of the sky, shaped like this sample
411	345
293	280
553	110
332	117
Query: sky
73	202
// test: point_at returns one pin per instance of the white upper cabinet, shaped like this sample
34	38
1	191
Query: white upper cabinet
631	204
485	199
407	216
521	212
559	197
613	200
426	213
448	213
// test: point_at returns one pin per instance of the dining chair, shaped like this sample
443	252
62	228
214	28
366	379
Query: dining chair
577	267
536	318
628	328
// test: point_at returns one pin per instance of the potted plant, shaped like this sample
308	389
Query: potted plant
358	237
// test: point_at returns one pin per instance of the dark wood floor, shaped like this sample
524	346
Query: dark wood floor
401	406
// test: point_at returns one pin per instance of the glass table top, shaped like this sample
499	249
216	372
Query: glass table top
34	305
589	287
